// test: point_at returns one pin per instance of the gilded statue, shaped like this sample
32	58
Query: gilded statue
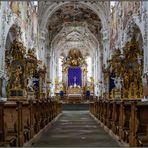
74	62
31	52
132	77
17	75
118	82
17	50
129	67
74	58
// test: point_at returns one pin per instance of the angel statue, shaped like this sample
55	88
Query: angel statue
117	82
145	78
30	84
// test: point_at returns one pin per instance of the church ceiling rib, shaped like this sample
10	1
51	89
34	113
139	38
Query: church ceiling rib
74	14
80	37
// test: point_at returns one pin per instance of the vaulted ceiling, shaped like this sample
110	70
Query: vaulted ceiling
73	14
75	37
73	25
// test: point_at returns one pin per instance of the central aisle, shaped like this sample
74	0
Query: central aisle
75	129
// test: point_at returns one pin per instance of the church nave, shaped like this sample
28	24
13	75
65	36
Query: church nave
73	73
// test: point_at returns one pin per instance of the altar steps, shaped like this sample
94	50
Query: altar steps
72	107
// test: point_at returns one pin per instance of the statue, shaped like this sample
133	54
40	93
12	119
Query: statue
17	75
74	62
31	52
30	84
74	58
117	82
4	87
145	85
145	79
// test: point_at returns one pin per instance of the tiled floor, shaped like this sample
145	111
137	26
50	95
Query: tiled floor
75	129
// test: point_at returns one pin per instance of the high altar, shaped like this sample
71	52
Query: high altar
74	75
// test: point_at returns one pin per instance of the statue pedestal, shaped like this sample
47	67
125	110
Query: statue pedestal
30	95
117	95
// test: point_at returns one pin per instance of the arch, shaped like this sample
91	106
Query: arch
133	22
53	7
14	21
49	10
133	53
13	33
91	35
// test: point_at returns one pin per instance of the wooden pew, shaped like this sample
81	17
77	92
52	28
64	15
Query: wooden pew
59	107
42	115
53	109
31	118
115	117
28	120
125	113
97	109
19	121
139	124
49	111
46	113
36	115
104	112
101	111
109	113
13	134
2	138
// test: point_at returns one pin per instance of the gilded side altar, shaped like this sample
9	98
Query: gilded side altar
128	68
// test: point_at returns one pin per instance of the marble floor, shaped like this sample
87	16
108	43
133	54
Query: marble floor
75	129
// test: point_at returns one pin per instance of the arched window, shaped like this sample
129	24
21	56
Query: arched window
60	68
89	67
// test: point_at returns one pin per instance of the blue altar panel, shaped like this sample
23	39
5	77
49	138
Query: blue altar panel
74	76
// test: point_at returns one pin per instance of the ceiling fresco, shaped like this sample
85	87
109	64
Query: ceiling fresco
80	37
74	14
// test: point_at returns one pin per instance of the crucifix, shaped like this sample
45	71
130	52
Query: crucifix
75	78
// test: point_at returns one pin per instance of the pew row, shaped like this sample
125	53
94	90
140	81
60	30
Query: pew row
127	119
20	121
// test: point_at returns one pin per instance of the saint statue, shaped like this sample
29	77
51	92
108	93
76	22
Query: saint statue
117	82
17	74
30	84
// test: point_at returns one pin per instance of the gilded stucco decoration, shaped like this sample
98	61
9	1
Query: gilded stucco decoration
15	67
133	68
74	58
73	14
127	69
